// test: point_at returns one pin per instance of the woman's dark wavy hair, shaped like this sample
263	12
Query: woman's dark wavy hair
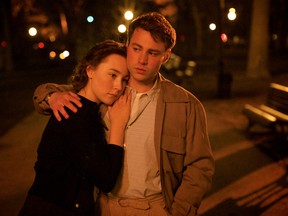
157	25
93	58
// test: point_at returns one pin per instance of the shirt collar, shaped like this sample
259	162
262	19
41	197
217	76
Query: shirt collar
150	93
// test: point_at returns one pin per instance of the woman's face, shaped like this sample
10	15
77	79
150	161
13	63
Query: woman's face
108	80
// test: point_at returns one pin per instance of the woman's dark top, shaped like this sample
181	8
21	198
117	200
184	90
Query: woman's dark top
73	157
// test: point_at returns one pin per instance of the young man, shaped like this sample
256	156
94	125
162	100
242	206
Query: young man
168	164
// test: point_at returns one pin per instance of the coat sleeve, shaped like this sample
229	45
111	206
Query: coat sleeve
198	164
42	91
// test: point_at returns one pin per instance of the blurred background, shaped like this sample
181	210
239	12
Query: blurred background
221	44
227	54
210	32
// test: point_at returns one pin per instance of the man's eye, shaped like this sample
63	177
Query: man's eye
153	53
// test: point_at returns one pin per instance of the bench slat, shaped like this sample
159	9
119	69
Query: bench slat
274	112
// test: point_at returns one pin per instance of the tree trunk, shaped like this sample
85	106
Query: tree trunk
5	8
257	66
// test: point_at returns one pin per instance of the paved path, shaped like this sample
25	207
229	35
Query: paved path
17	157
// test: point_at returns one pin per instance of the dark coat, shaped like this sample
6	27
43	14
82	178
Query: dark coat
73	157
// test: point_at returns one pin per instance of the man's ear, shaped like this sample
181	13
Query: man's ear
167	56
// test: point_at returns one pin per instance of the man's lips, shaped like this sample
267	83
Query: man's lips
140	70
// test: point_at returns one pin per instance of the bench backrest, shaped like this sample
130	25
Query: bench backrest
278	97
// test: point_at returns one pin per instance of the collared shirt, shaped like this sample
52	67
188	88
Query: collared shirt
140	176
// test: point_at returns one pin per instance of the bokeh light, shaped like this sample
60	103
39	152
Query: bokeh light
32	31
122	28
128	15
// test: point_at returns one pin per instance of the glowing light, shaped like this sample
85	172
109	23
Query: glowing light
236	39
52	38
212	26
61	56
90	19
122	28
3	43
224	37
41	45
128	15
66	53
232	14
32	31
274	36
52	55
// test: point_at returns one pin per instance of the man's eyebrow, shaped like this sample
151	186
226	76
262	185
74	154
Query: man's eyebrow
136	44
150	50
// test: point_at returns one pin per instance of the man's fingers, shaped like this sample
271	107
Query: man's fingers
75	99
57	116
59	100
64	113
70	106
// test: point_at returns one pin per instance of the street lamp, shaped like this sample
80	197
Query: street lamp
224	77
122	29
232	14
128	15
32	31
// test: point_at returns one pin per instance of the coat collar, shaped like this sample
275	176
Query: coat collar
170	94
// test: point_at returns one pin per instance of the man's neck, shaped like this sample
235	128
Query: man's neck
141	87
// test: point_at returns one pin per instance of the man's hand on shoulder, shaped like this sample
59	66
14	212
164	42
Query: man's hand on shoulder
58	100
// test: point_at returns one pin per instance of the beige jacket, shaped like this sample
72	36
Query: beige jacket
181	142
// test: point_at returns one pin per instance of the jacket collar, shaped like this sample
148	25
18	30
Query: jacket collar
169	93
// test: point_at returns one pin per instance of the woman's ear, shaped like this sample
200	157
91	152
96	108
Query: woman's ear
89	71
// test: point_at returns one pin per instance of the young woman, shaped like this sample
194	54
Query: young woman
73	155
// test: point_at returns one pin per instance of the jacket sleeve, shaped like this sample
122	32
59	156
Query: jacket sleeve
42	91
198	164
98	162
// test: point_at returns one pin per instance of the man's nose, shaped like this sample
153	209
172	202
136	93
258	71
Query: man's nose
143	59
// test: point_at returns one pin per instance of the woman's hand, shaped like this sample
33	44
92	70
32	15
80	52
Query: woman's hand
119	114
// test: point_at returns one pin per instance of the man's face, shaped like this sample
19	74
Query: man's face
145	57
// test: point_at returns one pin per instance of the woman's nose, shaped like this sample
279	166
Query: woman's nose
118	85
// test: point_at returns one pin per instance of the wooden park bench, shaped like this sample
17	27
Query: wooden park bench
273	114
